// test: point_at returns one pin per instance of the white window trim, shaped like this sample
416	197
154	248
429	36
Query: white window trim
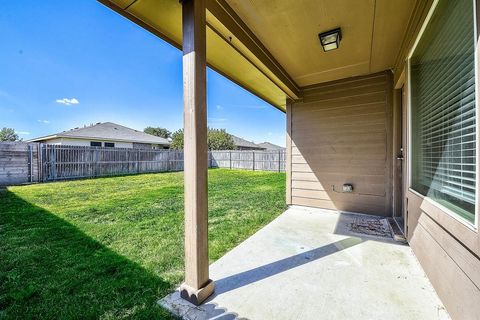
470	225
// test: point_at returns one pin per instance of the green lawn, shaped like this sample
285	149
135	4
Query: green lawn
108	248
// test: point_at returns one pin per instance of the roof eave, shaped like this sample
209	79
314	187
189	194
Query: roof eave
53	136
264	61
96	138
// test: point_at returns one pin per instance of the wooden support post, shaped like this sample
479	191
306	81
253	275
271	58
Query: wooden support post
288	154
197	286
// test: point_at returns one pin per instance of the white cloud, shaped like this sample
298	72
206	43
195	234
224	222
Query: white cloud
67	102
23	132
43	121
219	107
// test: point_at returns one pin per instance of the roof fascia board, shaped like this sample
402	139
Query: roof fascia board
273	103
139	22
418	16
292	88
228	17
53	136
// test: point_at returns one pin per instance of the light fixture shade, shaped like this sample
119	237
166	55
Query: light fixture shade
330	40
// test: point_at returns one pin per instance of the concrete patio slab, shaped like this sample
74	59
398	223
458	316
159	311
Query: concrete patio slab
308	264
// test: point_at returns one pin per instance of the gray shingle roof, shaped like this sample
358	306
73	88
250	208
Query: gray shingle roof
108	131
239	142
270	146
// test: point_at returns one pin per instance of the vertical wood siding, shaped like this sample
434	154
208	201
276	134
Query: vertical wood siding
341	133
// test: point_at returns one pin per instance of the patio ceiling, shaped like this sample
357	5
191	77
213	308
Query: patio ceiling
271	48
372	33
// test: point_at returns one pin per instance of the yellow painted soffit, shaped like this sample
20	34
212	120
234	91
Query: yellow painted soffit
230	58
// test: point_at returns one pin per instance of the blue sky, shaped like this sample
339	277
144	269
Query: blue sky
64	64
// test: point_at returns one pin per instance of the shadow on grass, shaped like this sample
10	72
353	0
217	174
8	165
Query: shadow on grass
50	269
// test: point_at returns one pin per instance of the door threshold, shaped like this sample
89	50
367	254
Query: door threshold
397	228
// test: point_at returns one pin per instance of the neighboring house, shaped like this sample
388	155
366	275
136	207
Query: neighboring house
242	144
381	103
270	146
106	134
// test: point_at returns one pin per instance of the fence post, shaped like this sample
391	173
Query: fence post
138	160
54	163
279	161
230	153
40	161
168	160
45	164
95	162
253	160
29	162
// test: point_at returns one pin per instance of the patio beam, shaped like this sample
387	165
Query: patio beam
265	61
197	286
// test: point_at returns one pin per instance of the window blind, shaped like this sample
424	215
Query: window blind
442	91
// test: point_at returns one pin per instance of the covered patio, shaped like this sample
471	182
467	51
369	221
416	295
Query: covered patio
381	111
309	264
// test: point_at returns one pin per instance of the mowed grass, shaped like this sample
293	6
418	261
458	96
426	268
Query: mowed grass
109	248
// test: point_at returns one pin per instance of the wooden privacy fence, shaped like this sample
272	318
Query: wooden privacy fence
33	162
249	160
61	162
19	163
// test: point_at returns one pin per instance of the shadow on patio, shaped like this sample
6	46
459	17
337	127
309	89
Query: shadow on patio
247	277
307	264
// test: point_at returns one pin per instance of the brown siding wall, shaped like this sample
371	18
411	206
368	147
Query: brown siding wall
341	133
449	253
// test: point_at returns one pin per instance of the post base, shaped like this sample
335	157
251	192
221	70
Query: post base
197	296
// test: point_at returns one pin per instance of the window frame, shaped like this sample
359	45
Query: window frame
450	212
92	142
